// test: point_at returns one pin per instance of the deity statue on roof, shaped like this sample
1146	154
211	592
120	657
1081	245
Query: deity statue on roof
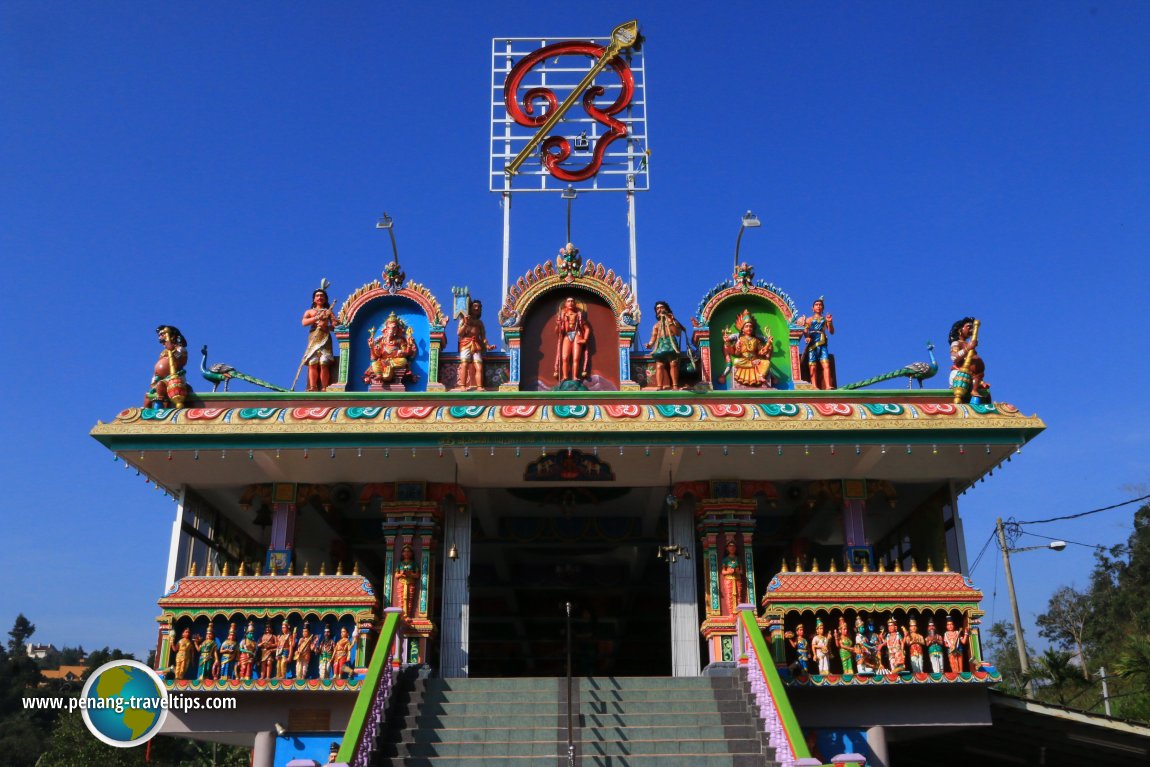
748	353
966	366
247	653
666	347
572	332
318	357
568	262
816	329
391	352
472	346
169	380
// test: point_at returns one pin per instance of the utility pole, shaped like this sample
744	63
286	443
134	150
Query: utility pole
1105	691
1023	662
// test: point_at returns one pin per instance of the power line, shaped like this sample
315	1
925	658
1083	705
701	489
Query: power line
1084	513
981	552
1075	543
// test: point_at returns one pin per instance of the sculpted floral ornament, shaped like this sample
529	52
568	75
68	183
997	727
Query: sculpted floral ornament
393	276
568	263
744	277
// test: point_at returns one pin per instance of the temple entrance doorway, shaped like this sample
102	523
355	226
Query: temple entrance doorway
594	549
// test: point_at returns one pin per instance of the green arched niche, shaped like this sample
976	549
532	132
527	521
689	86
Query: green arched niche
770	319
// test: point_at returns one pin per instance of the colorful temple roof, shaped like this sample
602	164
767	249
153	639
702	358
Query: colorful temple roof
870	591
243	592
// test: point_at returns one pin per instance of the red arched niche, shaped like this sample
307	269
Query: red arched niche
538	341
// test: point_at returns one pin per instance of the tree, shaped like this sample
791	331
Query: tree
1002	651
1064	622
1058	675
22	629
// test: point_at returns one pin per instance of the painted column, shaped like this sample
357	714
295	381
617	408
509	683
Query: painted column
455	617
702	339
626	341
512	340
684	594
720	521
438	339
343	343
414	522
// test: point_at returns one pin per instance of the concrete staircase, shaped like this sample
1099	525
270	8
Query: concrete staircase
618	722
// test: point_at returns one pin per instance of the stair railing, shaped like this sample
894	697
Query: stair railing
570	727
771	697
367	718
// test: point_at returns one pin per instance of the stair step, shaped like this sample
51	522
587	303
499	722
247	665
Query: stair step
589	760
557	748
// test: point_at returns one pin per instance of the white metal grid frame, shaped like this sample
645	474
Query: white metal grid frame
625	163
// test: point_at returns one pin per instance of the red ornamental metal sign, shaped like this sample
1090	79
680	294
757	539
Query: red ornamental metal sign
574	130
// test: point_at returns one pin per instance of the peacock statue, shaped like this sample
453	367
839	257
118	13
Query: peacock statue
915	371
221	373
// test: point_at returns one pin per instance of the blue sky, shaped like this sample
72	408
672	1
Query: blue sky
205	165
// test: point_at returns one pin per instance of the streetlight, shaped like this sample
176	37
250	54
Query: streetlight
387	222
569	194
750	221
1023	662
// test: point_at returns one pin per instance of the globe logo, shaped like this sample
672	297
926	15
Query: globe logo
124	703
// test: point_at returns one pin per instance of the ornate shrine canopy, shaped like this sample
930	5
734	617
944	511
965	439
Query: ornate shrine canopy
871	591
262	595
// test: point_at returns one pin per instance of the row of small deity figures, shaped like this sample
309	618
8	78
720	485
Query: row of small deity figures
287	655
747	351
867	650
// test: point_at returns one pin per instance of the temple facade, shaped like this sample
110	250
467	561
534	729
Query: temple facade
665	483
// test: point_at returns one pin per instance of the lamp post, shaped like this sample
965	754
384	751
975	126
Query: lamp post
1023	661
750	221
387	222
569	194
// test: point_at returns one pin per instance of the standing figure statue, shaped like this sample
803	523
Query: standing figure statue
915	642
185	651
406	582
572	332
318	356
391	352
248	652
228	651
802	647
326	648
267	649
472	347
209	653
816	328
169	380
305	646
285	649
894	641
748	353
845	645
341	654
954	641
966	366
732	584
934	648
666	348
820	647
